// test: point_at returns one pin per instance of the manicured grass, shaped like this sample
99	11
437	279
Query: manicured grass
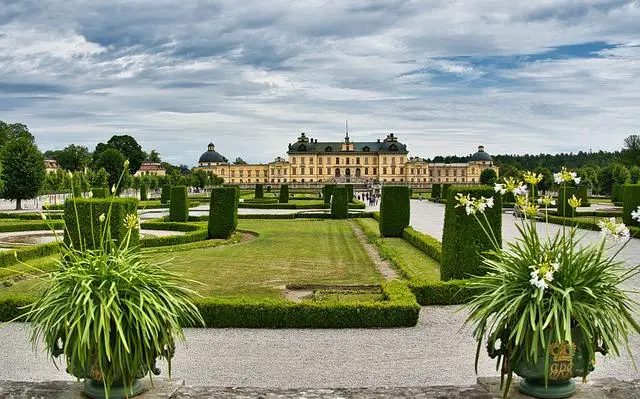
284	252
416	265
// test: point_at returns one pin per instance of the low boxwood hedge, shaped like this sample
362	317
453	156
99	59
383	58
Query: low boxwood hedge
399	309
11	257
29	216
452	292
425	243
584	224
29	225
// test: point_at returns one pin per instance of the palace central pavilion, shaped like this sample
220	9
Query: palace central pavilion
381	161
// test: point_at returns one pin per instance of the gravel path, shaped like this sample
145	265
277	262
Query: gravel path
436	352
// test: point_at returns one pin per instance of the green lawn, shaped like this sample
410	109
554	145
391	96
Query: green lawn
413	263
285	252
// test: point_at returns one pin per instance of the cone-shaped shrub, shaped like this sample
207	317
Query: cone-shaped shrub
394	211
259	191
165	195
100	192
631	199
144	192
436	190
179	205
340	203
284	194
87	225
463	238
564	193
223	212
327	192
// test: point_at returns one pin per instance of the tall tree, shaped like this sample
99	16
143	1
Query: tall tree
129	147
547	179
112	161
9	131
488	176
73	157
23	173
631	150
239	161
154	156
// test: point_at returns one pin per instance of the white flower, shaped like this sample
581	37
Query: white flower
548	276
90	194
43	216
499	188
102	218
609	229
490	202
577	180
520	190
555	266
635	215
113	189
557	177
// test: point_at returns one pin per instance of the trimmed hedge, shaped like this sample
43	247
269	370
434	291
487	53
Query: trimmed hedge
349	192
508	198
100	192
327	192
32	225
631	203
284	194
11	257
340	203
144	192
29	216
88	224
165	194
564	193
223	212
463	238
399	309
444	193
616	193
436	189
452	292
425	243
582	193
394	210
259	193
583	224
179	204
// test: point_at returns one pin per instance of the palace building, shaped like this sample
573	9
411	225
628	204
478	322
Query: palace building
379	162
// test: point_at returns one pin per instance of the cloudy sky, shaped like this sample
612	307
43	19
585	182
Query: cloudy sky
518	76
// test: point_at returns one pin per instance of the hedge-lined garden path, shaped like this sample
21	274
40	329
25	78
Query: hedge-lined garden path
382	264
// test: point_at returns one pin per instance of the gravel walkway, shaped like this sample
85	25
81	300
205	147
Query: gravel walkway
436	352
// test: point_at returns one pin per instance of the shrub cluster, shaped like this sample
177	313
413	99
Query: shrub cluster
436	190
394	210
340	203
564	193
631	202
259	193
84	231
100	192
284	194
223	212
327	192
165	194
144	192
463	238
179	204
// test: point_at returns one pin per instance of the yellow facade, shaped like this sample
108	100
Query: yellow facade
313	162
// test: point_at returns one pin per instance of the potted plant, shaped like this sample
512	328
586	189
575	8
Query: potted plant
549	302
111	312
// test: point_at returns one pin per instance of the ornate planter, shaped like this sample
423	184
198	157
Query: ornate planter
565	363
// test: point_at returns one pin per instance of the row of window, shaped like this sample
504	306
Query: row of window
346	161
